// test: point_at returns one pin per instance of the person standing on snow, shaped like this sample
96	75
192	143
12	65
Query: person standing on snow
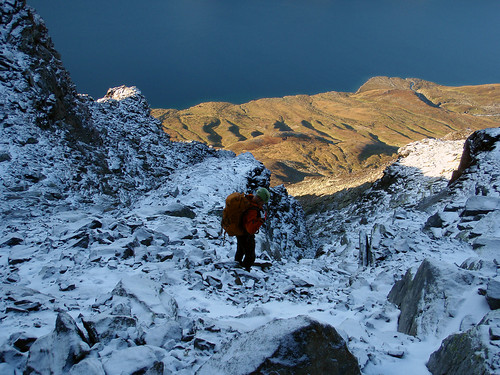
242	217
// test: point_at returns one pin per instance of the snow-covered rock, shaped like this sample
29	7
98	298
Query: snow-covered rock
292	346
430	297
106	219
57	352
111	227
473	352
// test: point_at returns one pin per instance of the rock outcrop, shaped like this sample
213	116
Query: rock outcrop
429	297
287	346
59	351
473	352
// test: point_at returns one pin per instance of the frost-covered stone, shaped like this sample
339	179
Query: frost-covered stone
11	359
104	328
164	334
179	210
430	297
298	345
478	204
474	352
135	360
20	299
57	352
20	254
88	366
286	229
493	294
144	295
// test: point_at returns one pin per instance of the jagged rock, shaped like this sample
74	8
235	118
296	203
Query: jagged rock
163	334
11	355
145	295
475	264
104	328
21	341
286	346
493	294
23	300
474	352
365	250
13	241
20	254
58	351
286	229
204	345
163	256
144	237
179	210
477	143
135	360
477	205
440	219
5	156
88	366
429	297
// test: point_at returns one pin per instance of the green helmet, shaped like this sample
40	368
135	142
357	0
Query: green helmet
263	194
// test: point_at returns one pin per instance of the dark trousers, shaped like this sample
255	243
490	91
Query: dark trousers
245	250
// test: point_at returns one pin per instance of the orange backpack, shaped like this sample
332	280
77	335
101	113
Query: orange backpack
236	205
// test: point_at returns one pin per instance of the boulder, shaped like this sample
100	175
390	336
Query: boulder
135	360
58	351
474	352
298	345
164	334
145	295
429	298
104	328
88	366
478	204
179	210
493	294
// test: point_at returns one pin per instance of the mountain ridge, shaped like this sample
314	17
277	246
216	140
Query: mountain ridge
112	261
336	134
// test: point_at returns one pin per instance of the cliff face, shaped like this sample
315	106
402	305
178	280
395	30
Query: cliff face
337	135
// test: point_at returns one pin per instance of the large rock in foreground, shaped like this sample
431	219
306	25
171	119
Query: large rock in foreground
429	298
474	352
285	346
58	351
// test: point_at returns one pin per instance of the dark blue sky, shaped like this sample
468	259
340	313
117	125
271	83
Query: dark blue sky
183	52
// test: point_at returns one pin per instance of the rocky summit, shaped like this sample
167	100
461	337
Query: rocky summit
112	260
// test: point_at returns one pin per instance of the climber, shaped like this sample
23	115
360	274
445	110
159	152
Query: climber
242	217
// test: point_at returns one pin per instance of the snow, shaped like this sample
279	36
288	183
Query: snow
331	289
433	157
142	240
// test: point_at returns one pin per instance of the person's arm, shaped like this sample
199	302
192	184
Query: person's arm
252	221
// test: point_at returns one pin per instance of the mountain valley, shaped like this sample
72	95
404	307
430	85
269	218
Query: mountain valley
335	140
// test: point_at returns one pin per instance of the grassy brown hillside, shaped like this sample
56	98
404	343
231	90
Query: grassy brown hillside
336	135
